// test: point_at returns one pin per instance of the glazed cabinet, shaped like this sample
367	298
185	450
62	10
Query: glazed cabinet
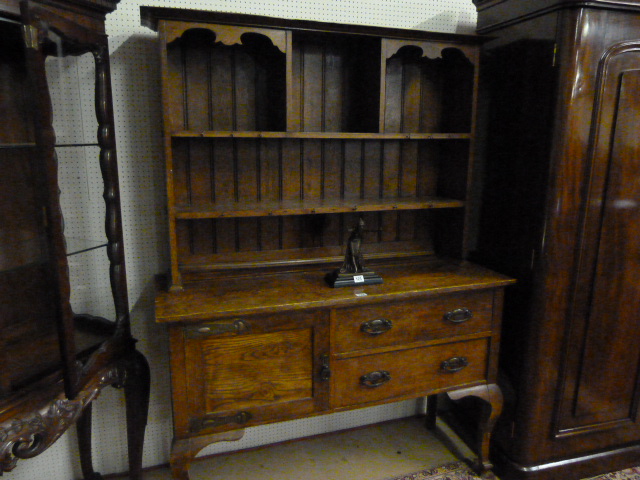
560	213
318	180
57	359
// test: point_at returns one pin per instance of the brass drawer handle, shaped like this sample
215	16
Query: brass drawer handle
459	315
375	379
377	326
454	364
237	326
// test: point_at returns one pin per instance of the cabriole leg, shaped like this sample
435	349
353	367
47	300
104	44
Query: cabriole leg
184	450
83	428
492	401
136	390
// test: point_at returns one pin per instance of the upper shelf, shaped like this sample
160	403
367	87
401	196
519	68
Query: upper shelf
248	79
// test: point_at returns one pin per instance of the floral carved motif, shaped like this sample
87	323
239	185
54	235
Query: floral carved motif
30	434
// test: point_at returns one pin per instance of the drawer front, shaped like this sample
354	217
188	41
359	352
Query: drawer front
361	328
412	372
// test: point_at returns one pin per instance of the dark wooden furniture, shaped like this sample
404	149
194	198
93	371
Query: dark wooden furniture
55	361
561	213
280	137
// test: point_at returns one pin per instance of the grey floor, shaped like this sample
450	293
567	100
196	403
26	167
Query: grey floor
377	452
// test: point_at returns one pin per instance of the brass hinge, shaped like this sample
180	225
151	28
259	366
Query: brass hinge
325	371
30	34
555	52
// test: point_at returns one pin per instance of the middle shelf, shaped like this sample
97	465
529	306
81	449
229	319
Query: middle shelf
320	135
310	207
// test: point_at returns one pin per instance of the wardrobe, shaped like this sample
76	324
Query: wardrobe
559	132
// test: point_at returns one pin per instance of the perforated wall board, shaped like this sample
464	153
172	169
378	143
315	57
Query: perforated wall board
138	118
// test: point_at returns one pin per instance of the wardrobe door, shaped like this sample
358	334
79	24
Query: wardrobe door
600	389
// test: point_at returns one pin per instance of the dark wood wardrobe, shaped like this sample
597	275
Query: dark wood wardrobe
560	129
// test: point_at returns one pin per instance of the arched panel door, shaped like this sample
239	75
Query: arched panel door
603	370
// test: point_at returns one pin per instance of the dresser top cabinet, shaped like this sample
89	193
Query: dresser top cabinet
280	135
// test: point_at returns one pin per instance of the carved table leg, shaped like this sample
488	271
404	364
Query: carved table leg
136	391
184	450
83	427
491	395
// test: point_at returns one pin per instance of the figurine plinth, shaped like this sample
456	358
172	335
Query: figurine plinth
339	279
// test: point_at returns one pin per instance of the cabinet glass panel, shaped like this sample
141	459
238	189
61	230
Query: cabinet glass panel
71	81
27	321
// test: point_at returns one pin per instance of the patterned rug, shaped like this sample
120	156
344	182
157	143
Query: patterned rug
628	474
451	471
460	471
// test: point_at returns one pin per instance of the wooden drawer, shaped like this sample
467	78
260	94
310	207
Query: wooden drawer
361	328
411	372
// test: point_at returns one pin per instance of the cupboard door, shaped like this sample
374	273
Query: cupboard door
252	370
603	370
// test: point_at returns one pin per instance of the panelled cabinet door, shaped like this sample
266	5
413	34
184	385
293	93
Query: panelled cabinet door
607	285
251	370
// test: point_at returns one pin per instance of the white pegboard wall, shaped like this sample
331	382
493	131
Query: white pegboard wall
138	120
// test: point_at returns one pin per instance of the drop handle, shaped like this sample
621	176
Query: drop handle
239	418
234	326
459	315
454	364
375	379
377	326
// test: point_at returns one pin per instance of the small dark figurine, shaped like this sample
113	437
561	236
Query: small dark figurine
353	271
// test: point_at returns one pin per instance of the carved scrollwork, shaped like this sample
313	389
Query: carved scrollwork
29	435
230	35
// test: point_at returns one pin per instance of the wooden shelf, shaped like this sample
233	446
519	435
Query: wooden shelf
199	267
323	135
16	146
81	245
312	207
